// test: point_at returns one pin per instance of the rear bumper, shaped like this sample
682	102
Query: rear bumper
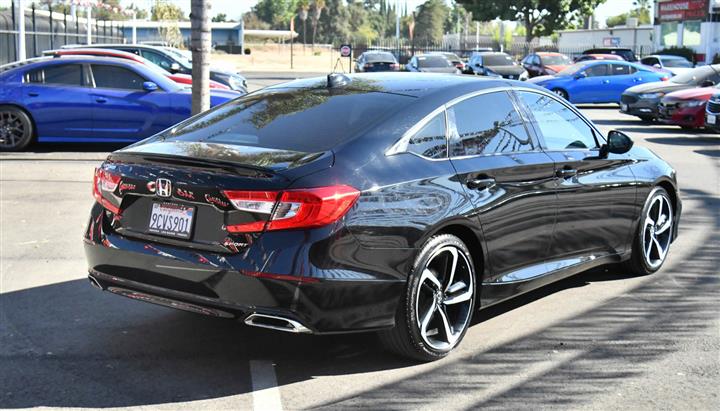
228	286
687	117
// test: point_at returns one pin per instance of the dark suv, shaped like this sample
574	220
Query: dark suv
625	53
173	63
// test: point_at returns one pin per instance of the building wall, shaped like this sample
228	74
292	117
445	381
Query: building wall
688	23
637	38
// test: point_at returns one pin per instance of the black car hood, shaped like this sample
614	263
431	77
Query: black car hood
507	70
659	87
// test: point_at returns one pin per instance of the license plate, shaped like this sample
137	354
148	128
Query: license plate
711	119
170	219
623	107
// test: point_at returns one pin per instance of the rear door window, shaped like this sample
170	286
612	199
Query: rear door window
621	69
430	140
115	77
597	70
60	74
499	129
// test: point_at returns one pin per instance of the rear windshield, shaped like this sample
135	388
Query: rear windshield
675	63
497	60
308	120
555	60
433	61
380	58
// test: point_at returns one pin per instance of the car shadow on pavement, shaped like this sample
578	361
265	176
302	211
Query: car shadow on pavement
69	345
74	147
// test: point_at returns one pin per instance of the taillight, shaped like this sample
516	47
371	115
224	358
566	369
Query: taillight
395	66
664	78
368	65
105	181
292	209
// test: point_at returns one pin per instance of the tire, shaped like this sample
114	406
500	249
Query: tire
435	311
562	93
646	119
655	222
16	129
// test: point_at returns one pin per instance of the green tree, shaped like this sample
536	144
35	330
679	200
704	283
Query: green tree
539	17
219	18
277	13
641	12
303	10
430	21
253	22
168	12
317	8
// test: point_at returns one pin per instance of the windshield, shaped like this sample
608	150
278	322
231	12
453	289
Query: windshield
433	61
497	60
555	60
677	63
307	120
380	58
693	77
575	68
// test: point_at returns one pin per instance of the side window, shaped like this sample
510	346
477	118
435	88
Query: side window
559	126
536	60
487	124
650	61
597	70
430	140
157	59
620	69
61	74
116	77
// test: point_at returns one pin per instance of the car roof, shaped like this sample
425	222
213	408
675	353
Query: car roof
444	86
118	45
549	53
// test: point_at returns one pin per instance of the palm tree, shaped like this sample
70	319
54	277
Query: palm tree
303	8
319	5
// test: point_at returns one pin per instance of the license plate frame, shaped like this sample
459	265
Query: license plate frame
173	220
711	119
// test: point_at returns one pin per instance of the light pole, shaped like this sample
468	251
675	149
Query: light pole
21	30
200	46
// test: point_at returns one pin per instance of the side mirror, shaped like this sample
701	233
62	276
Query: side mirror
617	143
658	66
149	86
175	67
580	75
707	83
478	65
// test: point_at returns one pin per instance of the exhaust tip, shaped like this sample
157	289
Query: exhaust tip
274	322
94	282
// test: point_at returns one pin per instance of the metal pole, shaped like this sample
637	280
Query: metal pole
88	16
477	35
65	24
200	46
134	27
34	30
52	32
21	30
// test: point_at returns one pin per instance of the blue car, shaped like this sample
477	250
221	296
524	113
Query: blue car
598	81
89	99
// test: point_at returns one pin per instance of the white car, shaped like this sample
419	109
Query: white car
673	64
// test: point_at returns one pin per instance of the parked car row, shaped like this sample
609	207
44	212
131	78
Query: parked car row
680	101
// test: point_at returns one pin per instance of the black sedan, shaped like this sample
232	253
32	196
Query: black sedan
376	61
431	63
643	100
496	64
375	202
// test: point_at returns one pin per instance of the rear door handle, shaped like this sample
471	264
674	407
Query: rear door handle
480	183
101	99
566	172
33	94
606	81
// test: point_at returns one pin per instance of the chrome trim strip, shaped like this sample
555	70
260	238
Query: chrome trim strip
295	327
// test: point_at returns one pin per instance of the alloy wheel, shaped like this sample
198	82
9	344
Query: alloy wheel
12	129
657	231
444	298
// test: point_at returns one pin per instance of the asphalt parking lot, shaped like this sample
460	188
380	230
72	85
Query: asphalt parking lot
601	340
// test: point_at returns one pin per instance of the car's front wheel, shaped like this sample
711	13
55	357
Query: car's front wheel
653	235
438	304
560	92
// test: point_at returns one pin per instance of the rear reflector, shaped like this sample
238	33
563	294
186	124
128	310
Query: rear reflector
105	182
293	209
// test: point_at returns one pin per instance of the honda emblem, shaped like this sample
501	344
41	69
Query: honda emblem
163	187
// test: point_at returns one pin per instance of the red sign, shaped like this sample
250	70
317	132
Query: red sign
677	10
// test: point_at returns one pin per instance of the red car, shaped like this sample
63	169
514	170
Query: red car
178	78
586	57
685	108
545	63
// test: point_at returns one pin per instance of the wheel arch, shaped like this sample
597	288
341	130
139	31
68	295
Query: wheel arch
672	191
473	241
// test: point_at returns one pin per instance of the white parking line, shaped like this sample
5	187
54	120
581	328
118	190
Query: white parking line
266	395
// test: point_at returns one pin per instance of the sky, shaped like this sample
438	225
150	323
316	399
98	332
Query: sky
234	8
